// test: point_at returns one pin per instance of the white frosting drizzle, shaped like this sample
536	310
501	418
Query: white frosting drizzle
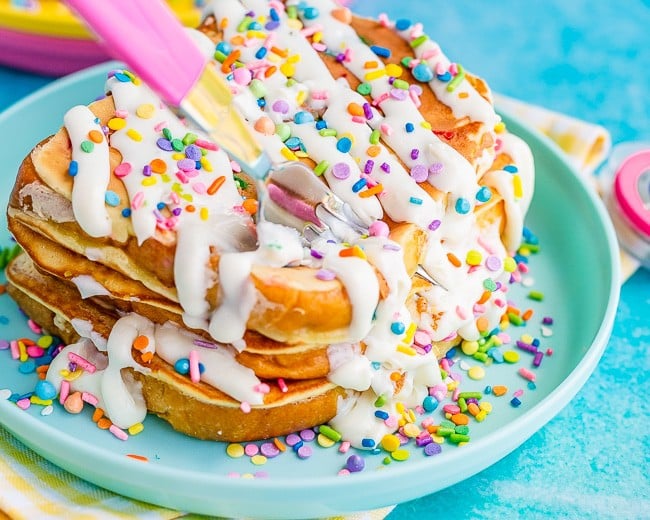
91	179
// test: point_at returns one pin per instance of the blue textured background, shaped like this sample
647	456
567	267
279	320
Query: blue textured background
589	59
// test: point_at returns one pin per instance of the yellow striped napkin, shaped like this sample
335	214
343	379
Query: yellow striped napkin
31	487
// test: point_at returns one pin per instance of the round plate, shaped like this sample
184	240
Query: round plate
577	270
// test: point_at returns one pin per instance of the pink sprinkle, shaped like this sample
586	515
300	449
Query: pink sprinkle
416	31
195	374
453	69
15	351
89	398
34	351
320	95
245	407
438	391
440	68
451	408
456	392
118	432
122	114
499	303
386	129
391	422
310	31
430	53
444	363
262	388
504	337
422	338
82	362
516	276
523	268
381	99
36	329
64	391
235	167
549	351
343	472
479	308
137	200
383	20
199	188
415	98
461	313
251	449
174	197
344	447
428	421
283	386
122	169
160	126
527	374
182	176
518	393
319	47
202	143
358	119
23	404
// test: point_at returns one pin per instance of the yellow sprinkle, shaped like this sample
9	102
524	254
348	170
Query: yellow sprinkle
485	406
145	111
400	407
411	430
255	34
258	460
409	351
438	439
469	347
136	81
302	154
324	441
500	127
527	338
509	265
426	125
410	415
287	69
473	257
301	97
401	422
288	154
518	186
116	123
317	37
463	95
476	373
165	177
177	188
178	156
204	213
149	181
206	164
135	428
23	352
410	332
248	476
295	58
273	58
400	454
188	197
134	134
71	376
393	70
294	23
390	442
235	450
480	417
34	399
510	356
45	341
375	74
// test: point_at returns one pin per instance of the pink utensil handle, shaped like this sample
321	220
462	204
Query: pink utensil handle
146	36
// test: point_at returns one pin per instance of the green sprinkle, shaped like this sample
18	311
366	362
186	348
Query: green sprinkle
291	82
327	132
515	319
462	404
374	136
177	145
243	25
283	131
406	61
458	437
167	133
380	401
456	80
401	84
487	345
219	56
365	40
292	11
258	88
447	424
386	461
364	89
419	41
321	167
443	374
241	183
462	429
445	432
470	395
536	295
189	138
330	433
87	146
533	248
480	356
490	285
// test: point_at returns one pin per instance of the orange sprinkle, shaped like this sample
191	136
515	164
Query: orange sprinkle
433	428
499	390
482	324
353	251
158	166
104	423
473	409
141	342
137	457
355	109
190	208
512	310
463	95
98	414
95	136
459	419
454	260
377	188
283	53
370	65
224	23
230	60
3	288
147	357
42	375
279	444
216	184
484	297
270	71
527	315
395	376
250	206
374	150
238	39
42	368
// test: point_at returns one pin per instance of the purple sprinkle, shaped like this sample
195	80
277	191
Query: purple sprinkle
280	106
385	167
72	366
399	94
325	274
271	25
164	144
435	167
423	440
527	347
186	165
419	173
415	153
307	435
146	170
537	360
493	263
392	247
435	224
203	343
355	463
193	152
269	450
432	449
416	89
367	168
341	171
340	57
4	344
176	211
427	348
316	254
367	111
304	452
292	439
547	320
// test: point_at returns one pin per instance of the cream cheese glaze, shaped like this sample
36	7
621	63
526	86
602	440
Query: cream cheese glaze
301	92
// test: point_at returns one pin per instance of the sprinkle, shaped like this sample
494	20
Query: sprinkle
134	134
195	375
112	198
419	173
510	356
484	194
95	136
341	171
462	206
359	185
81	362
458	78
87	146
122	169
329	432
526	374
476	372
536	295
235	450
453	259
116	123
355	463
422	72
282	385
515	402
375	190
537	360
344	144
73	168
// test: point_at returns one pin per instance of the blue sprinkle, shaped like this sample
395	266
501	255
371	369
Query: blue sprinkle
463	206
451	353
376	365
28	367
198	165
261	102
380	51
409	127
484	194
160	206
521	258
535	342
397	327
254	26
310	13
422	72
4	320
126	212
112	198
510	168
182	366
494	331
444	77
496	355
515	402
358	186
261	52
367	443
45	390
430	403
529	236
321	124
488	390
402	24
201	368
298	445
121	77
303	117
224	47
273	13
73	169
293	143
381	414
43	360
344	144
532	385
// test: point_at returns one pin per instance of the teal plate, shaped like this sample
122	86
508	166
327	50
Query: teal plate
577	271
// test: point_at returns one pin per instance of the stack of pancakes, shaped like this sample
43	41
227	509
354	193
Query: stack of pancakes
104	275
